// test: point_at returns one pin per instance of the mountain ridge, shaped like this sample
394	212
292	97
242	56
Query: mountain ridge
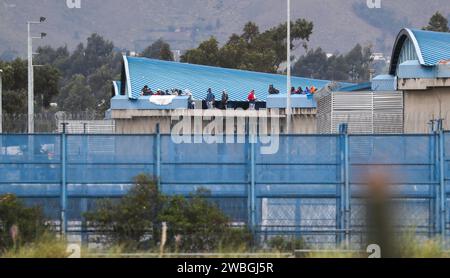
134	24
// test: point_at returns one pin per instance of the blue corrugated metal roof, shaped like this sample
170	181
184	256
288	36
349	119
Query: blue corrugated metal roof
356	87
434	46
197	78
431	47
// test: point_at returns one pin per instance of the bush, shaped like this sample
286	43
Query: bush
197	225
283	244
194	224
19	225
129	222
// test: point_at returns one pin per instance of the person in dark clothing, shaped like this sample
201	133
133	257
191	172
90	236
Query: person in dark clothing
210	99
299	91
293	90
146	91
224	101
273	91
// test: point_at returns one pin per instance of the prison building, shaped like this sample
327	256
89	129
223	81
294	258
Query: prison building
413	96
134	113
421	68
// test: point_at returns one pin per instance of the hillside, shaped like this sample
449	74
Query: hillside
134	24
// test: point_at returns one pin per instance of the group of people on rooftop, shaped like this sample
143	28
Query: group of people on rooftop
299	91
223	104
225	98
146	91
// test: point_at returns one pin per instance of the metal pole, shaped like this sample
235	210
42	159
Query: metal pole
30	82
158	156
341	211
436	188
1	101
63	181
288	65
443	201
252	186
347	190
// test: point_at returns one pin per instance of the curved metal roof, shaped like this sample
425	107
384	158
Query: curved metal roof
165	75
431	47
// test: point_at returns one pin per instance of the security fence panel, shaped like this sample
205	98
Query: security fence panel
219	168
30	164
408	161
410	164
297	189
303	165
107	160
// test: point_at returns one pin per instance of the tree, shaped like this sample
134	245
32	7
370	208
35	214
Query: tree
252	50
46	84
312	65
194	224
98	52
353	66
15	218
207	53
438	23
158	50
55	57
128	222
359	60
250	32
197	225
77	96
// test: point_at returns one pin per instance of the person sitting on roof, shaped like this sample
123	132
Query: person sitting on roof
273	90
313	90
224	100
293	90
191	102
252	100
210	99
146	91
300	91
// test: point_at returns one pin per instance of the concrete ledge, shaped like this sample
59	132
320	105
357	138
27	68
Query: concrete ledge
143	103
297	101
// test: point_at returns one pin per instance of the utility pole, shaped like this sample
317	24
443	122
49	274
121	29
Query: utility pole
31	73
289	85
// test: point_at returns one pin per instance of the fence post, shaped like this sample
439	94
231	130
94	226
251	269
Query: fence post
341	209
345	191
158	156
251	197
252	186
63	200
442	193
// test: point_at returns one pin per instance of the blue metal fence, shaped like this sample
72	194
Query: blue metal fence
311	188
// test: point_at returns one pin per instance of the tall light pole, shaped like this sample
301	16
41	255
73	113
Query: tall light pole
1	102
30	74
288	64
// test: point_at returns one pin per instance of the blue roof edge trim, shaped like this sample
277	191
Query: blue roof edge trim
128	77
116	88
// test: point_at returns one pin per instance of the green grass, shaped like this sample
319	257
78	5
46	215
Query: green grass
47	246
